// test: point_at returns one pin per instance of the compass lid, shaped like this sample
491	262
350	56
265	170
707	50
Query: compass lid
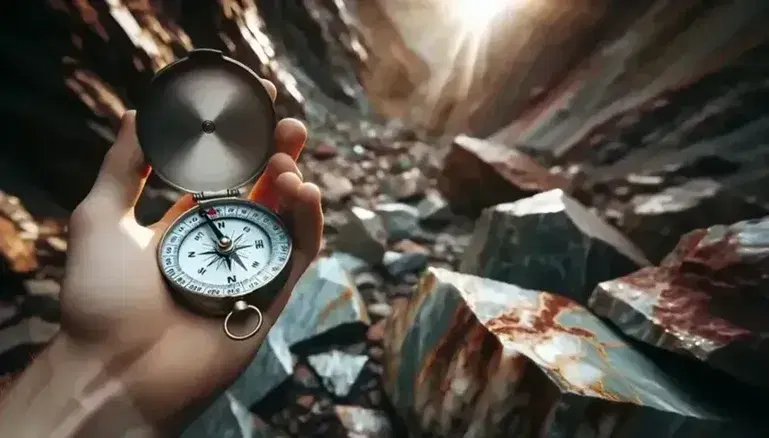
206	123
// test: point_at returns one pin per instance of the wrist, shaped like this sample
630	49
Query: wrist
70	390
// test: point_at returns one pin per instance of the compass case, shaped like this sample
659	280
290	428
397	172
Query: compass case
206	123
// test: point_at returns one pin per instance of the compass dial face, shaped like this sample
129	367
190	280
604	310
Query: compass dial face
227	249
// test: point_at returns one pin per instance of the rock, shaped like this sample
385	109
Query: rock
335	188
324	299
368	280
400	220
364	423
382	310
363	235
42	287
707	300
337	370
549	242
324	150
407	185
655	222
478	174
475	357
409	246
399	264
236	422
433	210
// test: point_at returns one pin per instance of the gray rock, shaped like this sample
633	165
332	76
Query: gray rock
406	185
368	280
400	220
337	370
336	188
434	210
549	242
399	264
324	298
472	357
382	310
363	235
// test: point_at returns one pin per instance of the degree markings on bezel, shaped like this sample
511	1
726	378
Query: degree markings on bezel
277	243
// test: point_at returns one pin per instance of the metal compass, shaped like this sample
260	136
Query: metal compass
206	127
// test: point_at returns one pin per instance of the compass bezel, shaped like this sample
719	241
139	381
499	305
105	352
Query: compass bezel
217	305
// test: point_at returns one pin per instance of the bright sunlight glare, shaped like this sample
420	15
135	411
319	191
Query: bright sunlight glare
476	14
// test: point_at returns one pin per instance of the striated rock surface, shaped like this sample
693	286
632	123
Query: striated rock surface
477	174
708	299
549	242
472	357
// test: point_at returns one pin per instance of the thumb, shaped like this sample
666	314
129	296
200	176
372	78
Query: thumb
123	172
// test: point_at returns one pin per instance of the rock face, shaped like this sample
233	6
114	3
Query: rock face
549	242
708	299
475	357
477	174
107	53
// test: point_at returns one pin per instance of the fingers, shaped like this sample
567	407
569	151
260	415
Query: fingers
265	191
307	221
123	173
301	208
290	136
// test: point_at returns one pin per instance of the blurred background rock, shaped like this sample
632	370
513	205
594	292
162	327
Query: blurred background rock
558	149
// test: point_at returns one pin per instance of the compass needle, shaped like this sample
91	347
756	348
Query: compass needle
198	128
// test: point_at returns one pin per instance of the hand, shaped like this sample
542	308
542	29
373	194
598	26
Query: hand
115	301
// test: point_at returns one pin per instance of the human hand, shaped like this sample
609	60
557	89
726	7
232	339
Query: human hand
115	302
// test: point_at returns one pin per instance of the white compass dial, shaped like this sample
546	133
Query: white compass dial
228	249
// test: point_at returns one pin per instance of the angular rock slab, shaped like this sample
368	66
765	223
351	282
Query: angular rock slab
477	174
656	221
472	357
325	298
705	300
338	370
363	235
549	242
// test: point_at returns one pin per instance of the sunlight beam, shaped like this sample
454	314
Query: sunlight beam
475	15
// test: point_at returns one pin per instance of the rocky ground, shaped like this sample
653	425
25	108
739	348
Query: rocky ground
613	284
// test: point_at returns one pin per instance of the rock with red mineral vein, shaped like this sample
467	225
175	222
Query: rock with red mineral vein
478	174
471	357
549	242
707	300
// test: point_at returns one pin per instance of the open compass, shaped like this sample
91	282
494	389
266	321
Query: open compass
206	127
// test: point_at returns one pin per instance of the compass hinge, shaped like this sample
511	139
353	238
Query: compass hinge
202	196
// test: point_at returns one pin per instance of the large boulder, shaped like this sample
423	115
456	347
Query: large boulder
549	242
478	174
470	357
707	300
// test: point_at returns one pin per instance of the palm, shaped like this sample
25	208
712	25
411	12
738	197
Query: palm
115	296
